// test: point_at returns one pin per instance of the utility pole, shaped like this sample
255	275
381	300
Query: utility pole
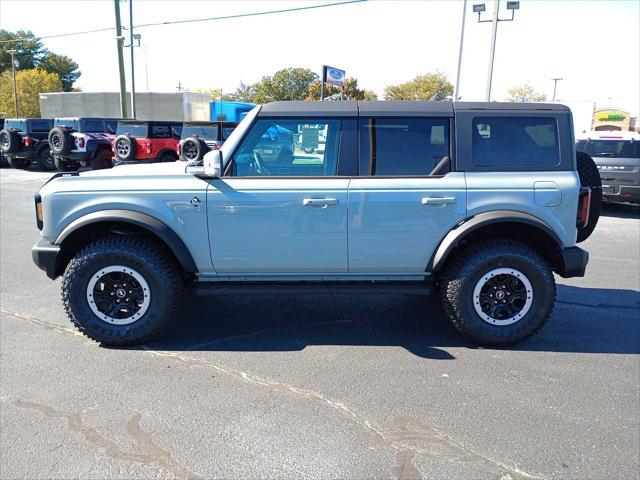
123	83
133	67
179	87
494	32
15	85
456	92
555	84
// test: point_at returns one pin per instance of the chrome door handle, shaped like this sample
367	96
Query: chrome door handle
319	202
438	200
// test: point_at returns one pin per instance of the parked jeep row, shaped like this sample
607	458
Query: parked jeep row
70	143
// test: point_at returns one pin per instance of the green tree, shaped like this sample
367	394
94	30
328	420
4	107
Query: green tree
244	93
351	90
525	93
31	83
64	67
432	86
286	84
28	51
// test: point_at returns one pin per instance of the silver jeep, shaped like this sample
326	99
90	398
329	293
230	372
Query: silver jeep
480	202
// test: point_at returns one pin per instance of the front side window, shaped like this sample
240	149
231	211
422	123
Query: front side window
403	146
515	141
289	148
135	130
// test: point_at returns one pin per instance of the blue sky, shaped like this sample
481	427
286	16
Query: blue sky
593	45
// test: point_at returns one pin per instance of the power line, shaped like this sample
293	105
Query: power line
194	20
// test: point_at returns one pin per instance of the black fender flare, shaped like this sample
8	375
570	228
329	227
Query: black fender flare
152	224
463	229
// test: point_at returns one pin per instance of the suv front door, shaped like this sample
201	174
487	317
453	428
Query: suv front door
282	213
398	212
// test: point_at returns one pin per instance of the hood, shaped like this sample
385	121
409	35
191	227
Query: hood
141	170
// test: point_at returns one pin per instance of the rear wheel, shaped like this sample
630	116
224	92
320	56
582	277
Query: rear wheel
101	160
590	178
45	160
20	163
497	292
168	157
64	165
121	290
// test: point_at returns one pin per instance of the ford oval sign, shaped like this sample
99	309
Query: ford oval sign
334	76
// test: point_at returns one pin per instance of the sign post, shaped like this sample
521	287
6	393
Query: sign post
332	76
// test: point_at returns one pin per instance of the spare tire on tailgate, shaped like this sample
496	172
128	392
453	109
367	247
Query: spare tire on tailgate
590	178
60	140
124	148
193	148
10	141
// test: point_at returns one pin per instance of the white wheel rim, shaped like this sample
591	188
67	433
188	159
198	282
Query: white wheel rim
93	302
497	295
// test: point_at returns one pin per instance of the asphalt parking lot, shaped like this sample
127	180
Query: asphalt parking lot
320	387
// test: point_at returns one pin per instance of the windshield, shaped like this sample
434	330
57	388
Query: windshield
232	142
203	131
135	130
610	148
67	122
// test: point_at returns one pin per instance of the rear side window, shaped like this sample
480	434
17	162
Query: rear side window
203	131
160	131
67	122
40	126
135	130
17	124
515	141
93	126
400	147
610	148
112	126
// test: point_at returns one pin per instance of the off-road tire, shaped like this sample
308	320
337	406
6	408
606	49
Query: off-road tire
64	165
4	162
60	140
44	160
200	147
146	257
168	157
589	177
464	271
132	148
102	159
19	163
10	140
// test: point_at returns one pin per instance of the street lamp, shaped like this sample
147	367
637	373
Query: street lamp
555	85
479	8
138	37
15	87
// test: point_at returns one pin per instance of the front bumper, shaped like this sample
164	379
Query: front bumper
47	257
621	193
573	262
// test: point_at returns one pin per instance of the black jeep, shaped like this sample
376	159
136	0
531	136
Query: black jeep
23	140
81	141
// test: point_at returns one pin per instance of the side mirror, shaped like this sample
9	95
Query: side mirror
213	163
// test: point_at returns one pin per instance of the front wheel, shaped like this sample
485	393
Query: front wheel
19	163
121	290
101	160
64	166
45	160
497	292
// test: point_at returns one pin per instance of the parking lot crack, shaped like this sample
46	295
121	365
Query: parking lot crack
152	454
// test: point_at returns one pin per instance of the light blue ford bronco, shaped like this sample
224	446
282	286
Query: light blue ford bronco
480	202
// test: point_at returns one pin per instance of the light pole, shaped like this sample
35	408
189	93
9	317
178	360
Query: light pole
15	85
138	37
133	67
479	8
123	81
555	85
456	93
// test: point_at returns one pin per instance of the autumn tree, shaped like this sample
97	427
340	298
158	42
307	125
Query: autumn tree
30	84
351	90
432	86
525	93
286	84
31	53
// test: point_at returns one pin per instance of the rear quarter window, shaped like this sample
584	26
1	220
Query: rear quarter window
135	130
39	126
94	126
515	141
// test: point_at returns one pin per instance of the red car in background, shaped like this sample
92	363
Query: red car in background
140	141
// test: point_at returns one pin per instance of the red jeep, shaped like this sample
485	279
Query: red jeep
146	141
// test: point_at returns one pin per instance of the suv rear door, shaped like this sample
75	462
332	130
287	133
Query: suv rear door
618	160
285	216
398	212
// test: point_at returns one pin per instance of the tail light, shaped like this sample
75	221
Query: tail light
178	148
147	145
584	202
81	142
27	141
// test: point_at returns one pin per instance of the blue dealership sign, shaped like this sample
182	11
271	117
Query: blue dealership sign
334	76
